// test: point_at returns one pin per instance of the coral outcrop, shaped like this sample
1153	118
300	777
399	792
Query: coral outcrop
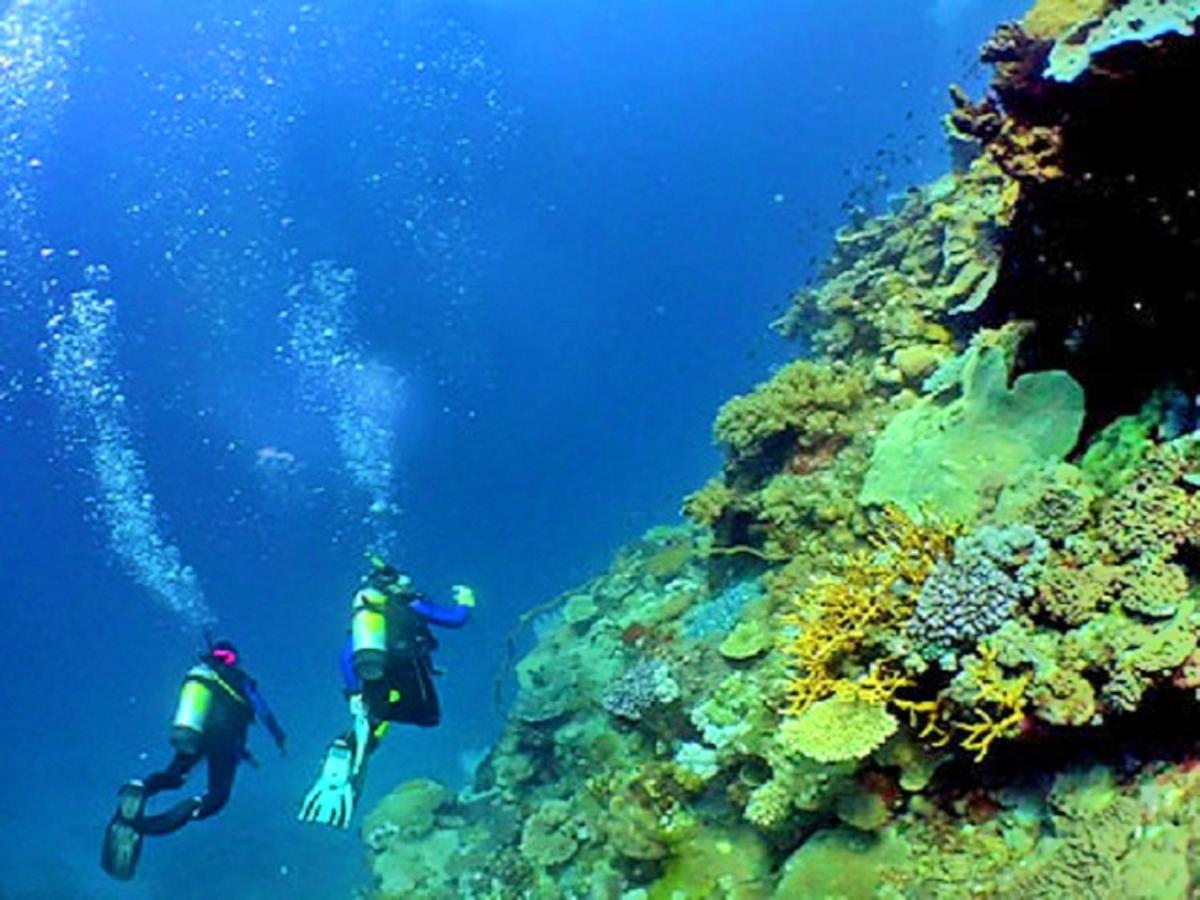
934	629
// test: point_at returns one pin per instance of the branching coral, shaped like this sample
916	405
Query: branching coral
646	684
831	621
967	597
997	702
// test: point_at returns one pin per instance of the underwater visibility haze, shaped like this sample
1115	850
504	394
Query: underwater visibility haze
786	414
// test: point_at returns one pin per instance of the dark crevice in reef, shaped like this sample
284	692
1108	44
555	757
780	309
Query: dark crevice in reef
1163	729
1106	257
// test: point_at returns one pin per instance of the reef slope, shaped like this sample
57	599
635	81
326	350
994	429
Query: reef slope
933	630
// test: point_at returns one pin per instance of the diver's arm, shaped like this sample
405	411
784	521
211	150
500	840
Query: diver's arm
351	683
446	616
263	712
360	720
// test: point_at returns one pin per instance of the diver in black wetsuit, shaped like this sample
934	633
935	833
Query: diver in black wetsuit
217	704
387	676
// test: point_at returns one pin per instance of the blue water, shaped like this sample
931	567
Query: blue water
569	224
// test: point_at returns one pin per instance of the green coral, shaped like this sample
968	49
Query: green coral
810	400
408	811
715	864
1153	587
1056	499
551	835
949	457
1115	452
1155	511
1070	594
1093	829
580	609
1134	21
706	506
418	870
1064	697
837	730
842	863
747	640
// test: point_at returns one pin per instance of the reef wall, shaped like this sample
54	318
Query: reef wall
933	630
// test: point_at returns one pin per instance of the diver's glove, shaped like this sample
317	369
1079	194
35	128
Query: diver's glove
330	801
362	732
463	595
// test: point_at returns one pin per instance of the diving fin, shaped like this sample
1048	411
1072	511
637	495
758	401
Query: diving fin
122	841
331	799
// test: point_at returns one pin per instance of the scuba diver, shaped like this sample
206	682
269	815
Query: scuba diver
217	704
387	676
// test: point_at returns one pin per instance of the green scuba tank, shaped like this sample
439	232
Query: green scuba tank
192	710
368	634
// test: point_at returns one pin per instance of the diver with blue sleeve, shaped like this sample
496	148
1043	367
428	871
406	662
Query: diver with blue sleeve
387	676
218	702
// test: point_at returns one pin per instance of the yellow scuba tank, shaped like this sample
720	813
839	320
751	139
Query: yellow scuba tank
192	710
368	634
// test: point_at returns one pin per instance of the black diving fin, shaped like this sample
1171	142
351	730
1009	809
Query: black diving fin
122	841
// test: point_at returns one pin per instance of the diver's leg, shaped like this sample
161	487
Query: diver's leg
221	766
123	838
172	776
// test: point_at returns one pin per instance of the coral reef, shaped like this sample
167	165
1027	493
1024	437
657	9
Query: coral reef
934	629
952	456
978	589
1137	21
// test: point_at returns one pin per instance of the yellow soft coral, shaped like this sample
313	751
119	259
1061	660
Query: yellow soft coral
999	705
831	621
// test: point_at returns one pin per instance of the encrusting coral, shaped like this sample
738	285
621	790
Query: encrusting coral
934	630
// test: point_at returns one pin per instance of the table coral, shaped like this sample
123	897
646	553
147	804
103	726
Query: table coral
836	730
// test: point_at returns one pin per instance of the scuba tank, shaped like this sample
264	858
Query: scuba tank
193	709
369	634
